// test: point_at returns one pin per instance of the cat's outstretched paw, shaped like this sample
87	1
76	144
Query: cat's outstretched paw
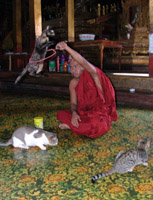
145	164
43	148
21	146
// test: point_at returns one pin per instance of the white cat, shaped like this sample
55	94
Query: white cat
26	136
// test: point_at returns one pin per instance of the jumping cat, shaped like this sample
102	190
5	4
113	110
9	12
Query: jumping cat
45	40
126	161
27	136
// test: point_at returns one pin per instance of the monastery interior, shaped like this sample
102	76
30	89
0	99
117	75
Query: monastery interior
123	21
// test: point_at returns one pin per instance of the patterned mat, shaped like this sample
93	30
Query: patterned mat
64	172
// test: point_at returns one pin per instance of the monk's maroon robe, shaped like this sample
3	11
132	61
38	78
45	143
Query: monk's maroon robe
95	109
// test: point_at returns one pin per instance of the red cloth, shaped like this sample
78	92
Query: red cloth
96	111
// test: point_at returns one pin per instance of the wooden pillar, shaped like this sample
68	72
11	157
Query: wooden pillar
17	35
70	18
35	20
151	38
17	25
37	17
32	26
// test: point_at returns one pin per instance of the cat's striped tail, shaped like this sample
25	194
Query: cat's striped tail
21	75
100	175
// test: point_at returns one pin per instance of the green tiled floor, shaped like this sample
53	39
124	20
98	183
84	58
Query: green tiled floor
63	172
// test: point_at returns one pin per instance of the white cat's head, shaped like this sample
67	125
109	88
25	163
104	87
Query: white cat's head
52	138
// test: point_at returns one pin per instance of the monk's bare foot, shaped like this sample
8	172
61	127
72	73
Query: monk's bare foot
64	126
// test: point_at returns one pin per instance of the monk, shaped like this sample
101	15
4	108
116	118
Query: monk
92	98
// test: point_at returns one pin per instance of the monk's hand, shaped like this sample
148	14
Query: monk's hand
75	119
61	46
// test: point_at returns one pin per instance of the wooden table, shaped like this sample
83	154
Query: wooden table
23	56
101	44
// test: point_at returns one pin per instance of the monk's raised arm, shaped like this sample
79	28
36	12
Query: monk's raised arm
77	57
81	61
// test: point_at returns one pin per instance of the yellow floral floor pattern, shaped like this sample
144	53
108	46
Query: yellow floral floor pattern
64	172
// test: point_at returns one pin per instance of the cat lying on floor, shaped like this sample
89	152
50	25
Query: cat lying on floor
126	161
45	40
27	136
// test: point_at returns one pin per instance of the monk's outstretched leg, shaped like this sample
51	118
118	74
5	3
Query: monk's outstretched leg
65	118
64	126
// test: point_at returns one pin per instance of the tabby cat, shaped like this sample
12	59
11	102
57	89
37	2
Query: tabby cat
126	161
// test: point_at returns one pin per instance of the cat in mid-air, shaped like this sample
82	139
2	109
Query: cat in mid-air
126	161
27	136
43	42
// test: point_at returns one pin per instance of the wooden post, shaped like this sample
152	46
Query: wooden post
35	21
17	25
37	17
70	17
32	26
17	34
151	38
